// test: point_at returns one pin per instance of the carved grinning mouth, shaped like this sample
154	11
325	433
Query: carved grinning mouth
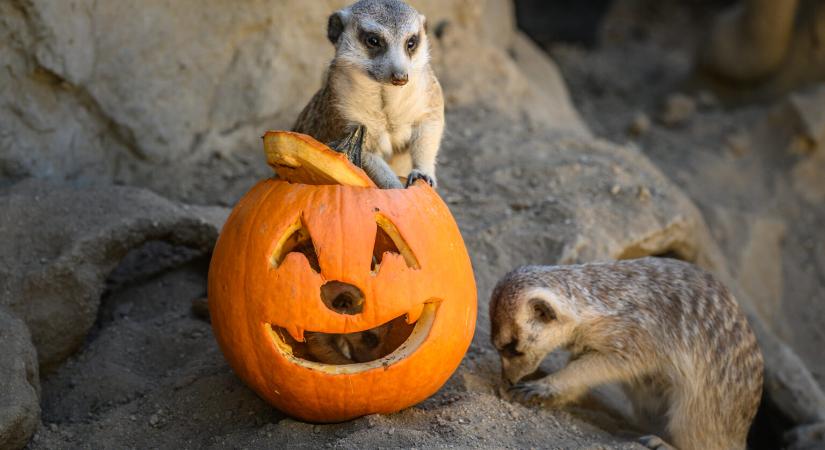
409	337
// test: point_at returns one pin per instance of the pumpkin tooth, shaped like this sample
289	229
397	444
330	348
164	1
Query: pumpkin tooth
296	332
415	313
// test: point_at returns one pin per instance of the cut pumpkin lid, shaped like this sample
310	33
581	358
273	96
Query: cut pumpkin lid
299	158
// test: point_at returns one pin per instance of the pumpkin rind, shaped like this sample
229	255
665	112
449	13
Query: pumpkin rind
247	293
299	158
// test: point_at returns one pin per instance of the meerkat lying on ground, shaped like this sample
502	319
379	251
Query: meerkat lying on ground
380	99
670	333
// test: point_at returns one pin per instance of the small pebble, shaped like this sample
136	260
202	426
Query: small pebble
644	194
640	125
200	308
679	108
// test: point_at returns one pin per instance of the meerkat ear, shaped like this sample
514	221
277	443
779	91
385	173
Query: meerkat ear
424	22
335	25
542	311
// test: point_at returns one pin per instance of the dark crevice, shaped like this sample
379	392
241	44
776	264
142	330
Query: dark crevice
298	242
769	427
383	244
672	254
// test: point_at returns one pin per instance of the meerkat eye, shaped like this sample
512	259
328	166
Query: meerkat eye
412	43
542	311
372	41
511	350
370	340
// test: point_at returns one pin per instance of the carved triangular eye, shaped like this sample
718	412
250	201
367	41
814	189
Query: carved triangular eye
389	240
296	240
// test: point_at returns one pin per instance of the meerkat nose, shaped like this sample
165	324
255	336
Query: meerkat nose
400	79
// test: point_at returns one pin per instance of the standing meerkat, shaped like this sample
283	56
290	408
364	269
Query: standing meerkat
670	333
380	100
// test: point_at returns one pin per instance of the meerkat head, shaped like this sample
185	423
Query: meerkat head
385	39
530	317
364	346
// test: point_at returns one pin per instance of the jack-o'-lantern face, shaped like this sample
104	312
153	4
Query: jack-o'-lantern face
338	346
337	301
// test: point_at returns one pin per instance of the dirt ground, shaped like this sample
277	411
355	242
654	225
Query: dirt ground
151	375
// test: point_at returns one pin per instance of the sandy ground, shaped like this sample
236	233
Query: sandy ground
151	375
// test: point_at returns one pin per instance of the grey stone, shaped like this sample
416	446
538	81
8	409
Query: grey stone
60	244
678	109
20	385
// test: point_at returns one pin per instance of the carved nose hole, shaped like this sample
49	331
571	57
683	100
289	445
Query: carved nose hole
342	298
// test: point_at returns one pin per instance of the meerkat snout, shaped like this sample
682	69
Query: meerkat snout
541	326
400	78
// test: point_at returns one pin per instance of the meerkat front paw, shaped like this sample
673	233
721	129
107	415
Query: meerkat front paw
419	175
536	392
655	443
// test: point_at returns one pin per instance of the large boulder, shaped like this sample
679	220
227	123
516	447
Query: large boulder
60	244
20	388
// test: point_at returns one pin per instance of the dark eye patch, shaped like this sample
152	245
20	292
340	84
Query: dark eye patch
370	340
373	42
510	350
412	44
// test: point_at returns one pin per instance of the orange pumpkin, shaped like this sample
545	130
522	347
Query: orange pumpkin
286	240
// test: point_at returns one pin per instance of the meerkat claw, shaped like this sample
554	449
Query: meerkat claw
352	144
416	175
531	391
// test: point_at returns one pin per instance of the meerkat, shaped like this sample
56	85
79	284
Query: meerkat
380	100
668	332
348	348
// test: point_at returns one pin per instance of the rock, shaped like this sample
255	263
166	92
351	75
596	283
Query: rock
60	243
569	207
200	308
678	109
806	437
750	39
706	99
738	144
640	125
753	245
788	382
20	386
808	109
762	49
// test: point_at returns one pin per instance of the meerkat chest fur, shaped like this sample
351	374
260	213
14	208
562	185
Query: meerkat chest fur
389	112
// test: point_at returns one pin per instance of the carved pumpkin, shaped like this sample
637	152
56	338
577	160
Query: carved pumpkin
287	243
